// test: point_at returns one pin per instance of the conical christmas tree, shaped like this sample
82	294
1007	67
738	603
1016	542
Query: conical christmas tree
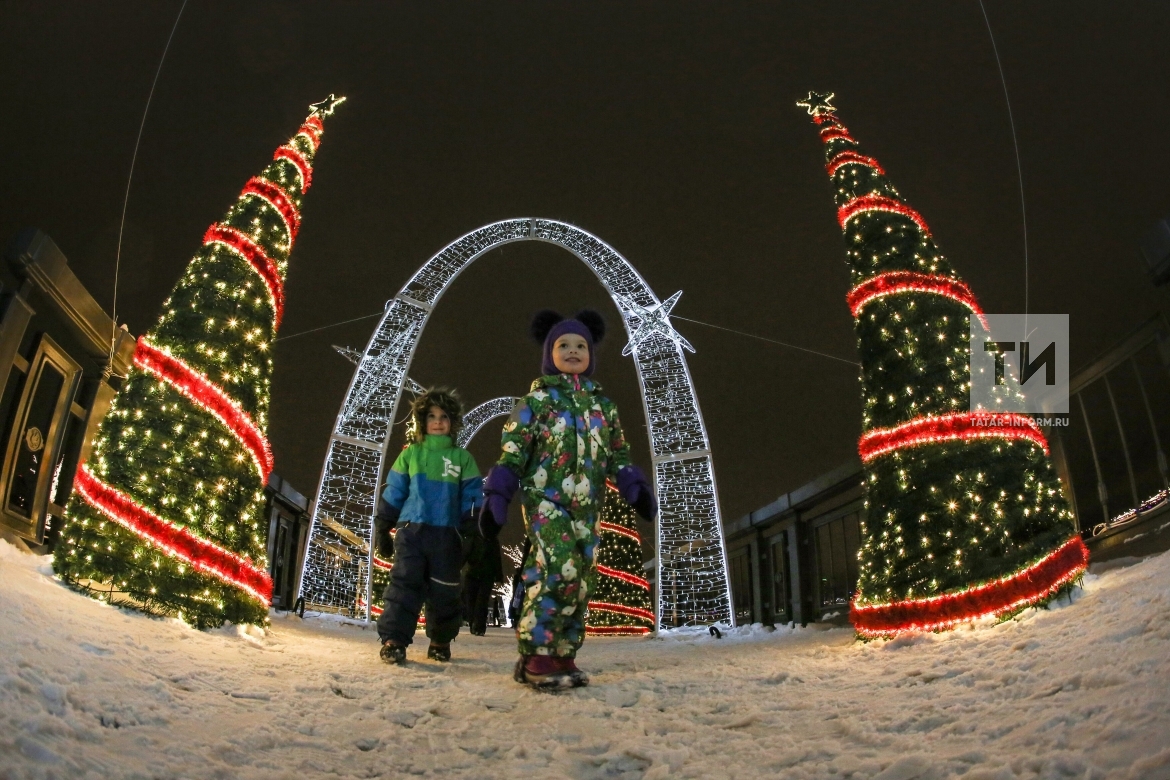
620	600
166	513
966	516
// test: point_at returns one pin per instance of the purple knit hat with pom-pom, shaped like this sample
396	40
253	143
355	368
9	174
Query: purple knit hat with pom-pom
548	326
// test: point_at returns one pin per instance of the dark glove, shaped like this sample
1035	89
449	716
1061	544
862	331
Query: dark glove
384	522
498	489
635	489
468	530
488	528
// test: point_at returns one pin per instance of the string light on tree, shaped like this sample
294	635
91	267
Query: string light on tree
166	517
965	515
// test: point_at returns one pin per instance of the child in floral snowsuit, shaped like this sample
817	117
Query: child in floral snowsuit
560	445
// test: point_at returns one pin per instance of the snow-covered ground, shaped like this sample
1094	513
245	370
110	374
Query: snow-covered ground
1079	691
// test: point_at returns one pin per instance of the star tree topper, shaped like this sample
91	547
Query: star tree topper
644	321
326	106
818	103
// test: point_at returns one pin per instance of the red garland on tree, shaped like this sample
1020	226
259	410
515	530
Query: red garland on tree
208	396
167	513
965	515
963	426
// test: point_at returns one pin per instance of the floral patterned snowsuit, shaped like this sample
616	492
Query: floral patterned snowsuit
563	440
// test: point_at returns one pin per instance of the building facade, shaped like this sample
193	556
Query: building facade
59	380
288	532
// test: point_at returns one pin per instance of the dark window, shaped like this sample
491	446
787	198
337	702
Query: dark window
741	585
30	453
279	561
1156	383
837	544
1123	418
1110	454
781	610
1135	425
1078	454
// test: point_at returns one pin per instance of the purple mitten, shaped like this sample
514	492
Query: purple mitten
498	489
636	491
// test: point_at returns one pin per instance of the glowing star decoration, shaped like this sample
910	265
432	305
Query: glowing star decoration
693	563
818	103
326	106
965	516
645	321
168	512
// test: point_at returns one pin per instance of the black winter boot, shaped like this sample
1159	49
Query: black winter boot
393	653
578	677
439	652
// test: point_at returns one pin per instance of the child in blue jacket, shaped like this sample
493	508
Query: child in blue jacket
433	488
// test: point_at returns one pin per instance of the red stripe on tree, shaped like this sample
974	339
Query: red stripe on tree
835	133
276	197
299	161
624	576
177	541
605	606
869	203
962	426
617	630
850	157
1028	586
312	132
894	282
208	396
249	250
620	529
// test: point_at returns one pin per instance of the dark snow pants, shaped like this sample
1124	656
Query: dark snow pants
427	560
477	594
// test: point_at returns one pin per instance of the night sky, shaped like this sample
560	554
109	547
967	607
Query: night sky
667	129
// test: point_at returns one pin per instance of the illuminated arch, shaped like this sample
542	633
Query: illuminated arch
482	415
692	561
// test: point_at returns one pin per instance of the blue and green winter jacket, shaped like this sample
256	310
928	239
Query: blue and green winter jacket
434	482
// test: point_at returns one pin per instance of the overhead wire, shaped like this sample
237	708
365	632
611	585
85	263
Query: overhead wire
326	327
673	316
1016	144
765	338
129	181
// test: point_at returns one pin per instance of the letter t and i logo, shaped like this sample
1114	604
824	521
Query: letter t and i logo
1020	364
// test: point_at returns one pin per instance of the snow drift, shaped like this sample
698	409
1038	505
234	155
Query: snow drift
1079	690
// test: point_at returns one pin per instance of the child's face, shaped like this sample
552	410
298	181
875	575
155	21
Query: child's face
570	354
438	423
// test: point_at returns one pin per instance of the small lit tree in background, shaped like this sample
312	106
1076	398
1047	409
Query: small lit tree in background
619	599
966	516
166	514
379	580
